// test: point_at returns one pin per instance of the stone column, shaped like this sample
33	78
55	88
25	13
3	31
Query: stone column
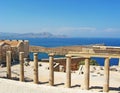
36	68
86	73
8	63
26	48
0	54
51	69
119	62
68	71
106	75
21	60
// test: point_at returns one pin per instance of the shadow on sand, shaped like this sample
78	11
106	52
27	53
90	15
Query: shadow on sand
110	88
75	86
59	84
43	82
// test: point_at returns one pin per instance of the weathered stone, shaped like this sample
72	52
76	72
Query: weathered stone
21	59
8	61
51	69
106	76
61	68
68	71
86	73
35	68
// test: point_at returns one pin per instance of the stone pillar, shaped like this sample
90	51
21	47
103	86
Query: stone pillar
86	73
8	63
26	48
21	60
21	44
51	69
106	75
0	54
119	62
68	71
36	68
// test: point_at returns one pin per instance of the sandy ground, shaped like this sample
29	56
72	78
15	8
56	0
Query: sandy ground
96	81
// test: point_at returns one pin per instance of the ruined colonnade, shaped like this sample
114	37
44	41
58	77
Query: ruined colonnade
68	69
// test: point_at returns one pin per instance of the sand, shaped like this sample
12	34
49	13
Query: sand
96	80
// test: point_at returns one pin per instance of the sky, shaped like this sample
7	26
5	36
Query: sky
74	18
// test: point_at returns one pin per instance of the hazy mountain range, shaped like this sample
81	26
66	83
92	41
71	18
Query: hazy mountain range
4	35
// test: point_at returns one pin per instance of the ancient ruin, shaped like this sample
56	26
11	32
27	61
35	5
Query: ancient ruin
15	46
86	55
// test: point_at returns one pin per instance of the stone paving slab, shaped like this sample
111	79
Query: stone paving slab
12	86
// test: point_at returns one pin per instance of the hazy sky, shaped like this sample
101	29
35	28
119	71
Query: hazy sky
75	18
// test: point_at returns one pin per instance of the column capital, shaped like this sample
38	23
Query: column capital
107	57
87	57
21	52
68	55
9	51
51	54
35	54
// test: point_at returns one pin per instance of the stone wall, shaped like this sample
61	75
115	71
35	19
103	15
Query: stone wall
62	61
15	46
26	48
3	52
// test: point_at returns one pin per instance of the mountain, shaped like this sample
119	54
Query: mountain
29	35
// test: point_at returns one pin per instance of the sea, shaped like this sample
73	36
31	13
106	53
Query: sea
57	42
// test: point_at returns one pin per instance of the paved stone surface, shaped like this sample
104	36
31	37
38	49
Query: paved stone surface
96	81
11	86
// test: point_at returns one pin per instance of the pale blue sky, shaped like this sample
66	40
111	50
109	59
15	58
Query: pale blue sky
75	18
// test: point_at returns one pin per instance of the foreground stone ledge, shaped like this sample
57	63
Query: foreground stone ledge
22	87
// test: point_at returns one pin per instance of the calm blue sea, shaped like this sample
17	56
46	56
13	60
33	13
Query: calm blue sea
55	42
